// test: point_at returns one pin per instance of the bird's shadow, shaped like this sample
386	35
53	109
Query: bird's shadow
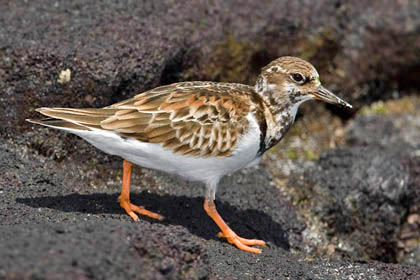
177	210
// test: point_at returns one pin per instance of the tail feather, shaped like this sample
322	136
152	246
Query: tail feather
59	124
79	111
71	118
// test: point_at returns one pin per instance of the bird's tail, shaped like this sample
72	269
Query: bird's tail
73	119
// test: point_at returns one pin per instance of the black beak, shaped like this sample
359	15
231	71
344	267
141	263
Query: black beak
325	95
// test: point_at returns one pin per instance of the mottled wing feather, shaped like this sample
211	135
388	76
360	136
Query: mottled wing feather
80	118
192	118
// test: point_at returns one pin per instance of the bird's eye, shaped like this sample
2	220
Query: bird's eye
298	78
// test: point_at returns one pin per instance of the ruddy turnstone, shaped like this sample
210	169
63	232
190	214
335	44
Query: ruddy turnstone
198	130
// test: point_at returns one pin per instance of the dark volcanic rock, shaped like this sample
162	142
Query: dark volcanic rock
114	50
361	194
58	212
364	192
54	227
400	133
98	250
409	235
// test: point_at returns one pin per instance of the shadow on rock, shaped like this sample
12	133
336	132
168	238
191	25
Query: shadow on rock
177	210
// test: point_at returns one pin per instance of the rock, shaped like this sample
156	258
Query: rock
115	50
409	236
360	195
386	131
54	223
363	193
92	249
58	210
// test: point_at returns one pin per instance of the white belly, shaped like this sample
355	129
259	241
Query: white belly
152	155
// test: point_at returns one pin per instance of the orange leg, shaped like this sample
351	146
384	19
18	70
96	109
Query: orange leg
125	197
228	233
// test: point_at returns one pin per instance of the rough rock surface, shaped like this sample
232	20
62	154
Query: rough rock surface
364	49
58	212
365	192
52	227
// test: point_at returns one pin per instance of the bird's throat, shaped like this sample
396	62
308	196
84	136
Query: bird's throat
279	120
281	105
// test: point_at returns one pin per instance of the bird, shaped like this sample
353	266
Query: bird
199	130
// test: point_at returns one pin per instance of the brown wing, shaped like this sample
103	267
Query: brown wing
194	118
191	118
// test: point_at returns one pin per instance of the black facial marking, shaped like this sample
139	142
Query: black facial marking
263	128
294	97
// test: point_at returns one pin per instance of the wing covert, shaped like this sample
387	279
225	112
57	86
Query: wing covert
191	118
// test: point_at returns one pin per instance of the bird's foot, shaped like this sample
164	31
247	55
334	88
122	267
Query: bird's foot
131	208
243	243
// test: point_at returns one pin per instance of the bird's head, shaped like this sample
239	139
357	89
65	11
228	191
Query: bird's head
293	80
